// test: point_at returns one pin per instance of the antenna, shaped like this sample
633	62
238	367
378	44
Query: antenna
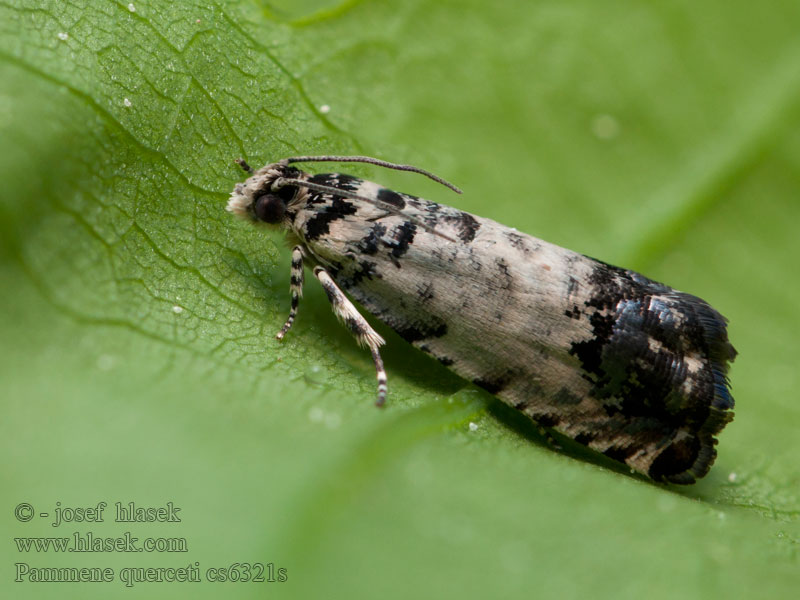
242	163
372	161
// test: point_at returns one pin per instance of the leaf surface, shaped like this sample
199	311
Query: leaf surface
139	362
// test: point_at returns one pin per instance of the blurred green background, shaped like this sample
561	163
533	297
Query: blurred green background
137	317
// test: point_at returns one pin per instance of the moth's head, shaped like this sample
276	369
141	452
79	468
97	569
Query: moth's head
263	198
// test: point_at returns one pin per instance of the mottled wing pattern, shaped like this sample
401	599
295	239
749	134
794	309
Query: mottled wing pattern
659	358
628	366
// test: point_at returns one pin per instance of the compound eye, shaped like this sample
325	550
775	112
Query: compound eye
270	208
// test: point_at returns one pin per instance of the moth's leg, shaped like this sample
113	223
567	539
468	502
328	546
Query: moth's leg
297	289
358	326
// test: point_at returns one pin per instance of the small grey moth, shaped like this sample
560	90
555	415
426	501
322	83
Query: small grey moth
618	362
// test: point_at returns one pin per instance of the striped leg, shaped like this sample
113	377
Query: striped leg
358	326
296	287
383	388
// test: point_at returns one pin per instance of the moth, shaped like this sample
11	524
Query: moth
625	365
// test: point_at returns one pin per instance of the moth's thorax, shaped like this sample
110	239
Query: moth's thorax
323	216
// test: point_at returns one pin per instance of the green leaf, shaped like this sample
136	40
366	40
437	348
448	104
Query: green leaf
139	362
